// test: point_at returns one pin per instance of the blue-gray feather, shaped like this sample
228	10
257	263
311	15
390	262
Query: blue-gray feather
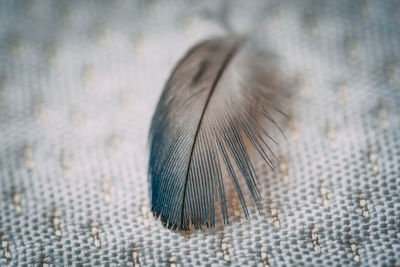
199	131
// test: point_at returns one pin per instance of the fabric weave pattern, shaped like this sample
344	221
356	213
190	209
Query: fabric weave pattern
79	81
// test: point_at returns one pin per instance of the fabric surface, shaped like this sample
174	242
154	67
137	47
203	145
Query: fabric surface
79	81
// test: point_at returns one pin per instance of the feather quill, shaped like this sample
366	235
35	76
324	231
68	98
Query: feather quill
206	121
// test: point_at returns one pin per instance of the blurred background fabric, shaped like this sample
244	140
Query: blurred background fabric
79	82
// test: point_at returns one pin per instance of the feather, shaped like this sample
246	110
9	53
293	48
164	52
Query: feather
207	120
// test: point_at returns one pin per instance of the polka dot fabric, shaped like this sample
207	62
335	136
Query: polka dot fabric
79	81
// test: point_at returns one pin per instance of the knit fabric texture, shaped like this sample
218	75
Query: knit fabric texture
79	82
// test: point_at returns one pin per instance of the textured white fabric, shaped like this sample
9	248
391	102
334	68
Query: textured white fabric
79	81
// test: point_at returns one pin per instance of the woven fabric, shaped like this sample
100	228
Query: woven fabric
79	81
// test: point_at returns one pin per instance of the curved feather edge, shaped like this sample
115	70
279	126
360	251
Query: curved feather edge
208	117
